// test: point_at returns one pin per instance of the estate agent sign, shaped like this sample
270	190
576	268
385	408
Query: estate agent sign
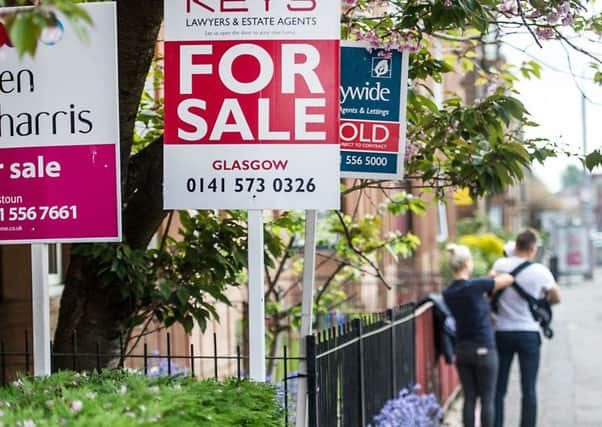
251	104
373	111
59	134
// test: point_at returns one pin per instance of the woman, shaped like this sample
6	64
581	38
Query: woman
476	355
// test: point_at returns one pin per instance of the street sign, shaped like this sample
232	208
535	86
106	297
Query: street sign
373	97
251	105
59	134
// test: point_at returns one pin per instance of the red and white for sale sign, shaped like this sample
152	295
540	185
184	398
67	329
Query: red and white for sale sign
251	104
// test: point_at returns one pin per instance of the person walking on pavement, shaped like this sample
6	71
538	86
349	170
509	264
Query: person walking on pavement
476	356
517	332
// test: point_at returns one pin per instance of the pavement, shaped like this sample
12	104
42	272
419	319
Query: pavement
570	376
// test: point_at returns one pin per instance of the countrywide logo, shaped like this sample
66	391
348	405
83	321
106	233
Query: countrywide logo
50	36
382	65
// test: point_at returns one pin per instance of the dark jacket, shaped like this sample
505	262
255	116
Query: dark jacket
445	327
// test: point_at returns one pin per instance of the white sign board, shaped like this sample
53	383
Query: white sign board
251	104
373	111
59	135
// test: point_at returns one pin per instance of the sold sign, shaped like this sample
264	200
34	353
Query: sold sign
245	86
373	111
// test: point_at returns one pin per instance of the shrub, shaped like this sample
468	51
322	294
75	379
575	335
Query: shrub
410	410
123	399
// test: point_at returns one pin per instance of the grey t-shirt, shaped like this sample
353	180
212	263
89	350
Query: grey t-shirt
513	312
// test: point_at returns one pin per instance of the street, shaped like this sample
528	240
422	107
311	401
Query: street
570	377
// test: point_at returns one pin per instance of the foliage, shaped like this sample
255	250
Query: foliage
182	279
486	244
480	223
409	410
122	399
485	249
473	143
149	119
25	27
490	245
572	177
476	145
350	247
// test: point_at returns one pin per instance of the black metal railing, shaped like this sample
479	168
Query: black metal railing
354	369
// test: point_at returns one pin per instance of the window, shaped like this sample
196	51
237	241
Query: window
442	228
55	269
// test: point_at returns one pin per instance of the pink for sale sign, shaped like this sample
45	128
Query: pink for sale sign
59	157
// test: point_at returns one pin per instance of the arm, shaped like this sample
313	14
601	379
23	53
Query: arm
501	281
553	295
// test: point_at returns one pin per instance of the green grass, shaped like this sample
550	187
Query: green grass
122	399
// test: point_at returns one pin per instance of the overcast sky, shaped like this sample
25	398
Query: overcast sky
554	101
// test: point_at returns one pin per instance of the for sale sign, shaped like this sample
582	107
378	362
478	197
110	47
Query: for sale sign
251	106
59	158
373	111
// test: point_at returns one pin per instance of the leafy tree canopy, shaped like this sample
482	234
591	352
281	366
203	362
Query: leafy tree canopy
472	139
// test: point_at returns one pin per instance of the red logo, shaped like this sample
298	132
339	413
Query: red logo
237	6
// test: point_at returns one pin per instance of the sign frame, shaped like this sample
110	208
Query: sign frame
113	129
311	159
401	120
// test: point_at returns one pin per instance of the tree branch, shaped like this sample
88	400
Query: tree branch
360	253
526	24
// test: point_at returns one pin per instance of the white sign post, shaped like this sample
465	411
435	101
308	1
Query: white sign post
307	306
256	297
59	148
41	309
251	117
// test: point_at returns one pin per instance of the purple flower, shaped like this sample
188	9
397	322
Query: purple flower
410	410
568	19
544	33
564	8
552	18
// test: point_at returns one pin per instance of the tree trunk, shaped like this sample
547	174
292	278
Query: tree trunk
95	312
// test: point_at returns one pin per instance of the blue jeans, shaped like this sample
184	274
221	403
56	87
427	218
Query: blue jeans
527	345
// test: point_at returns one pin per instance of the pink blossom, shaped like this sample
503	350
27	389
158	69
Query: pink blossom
544	33
564	8
552	18
76	406
508	6
568	19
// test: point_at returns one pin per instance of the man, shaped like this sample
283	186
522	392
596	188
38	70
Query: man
516	330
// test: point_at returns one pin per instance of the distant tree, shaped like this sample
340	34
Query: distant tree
572	177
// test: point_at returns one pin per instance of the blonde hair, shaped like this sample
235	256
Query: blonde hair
457	255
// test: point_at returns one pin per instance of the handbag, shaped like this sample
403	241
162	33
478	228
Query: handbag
539	307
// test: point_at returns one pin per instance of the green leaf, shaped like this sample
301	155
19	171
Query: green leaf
24	33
